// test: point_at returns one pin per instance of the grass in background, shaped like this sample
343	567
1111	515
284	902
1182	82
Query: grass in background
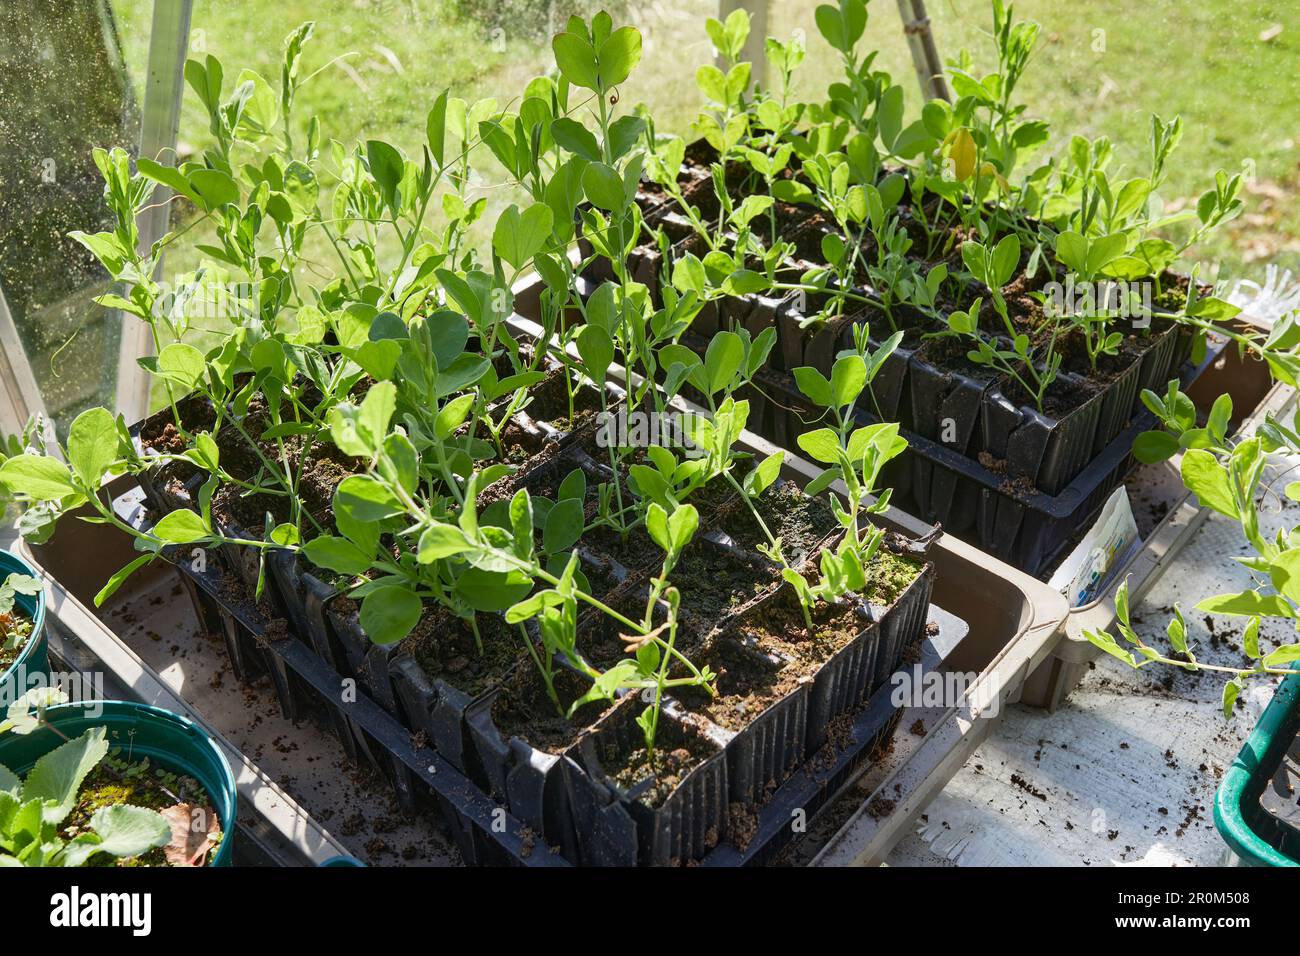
1101	68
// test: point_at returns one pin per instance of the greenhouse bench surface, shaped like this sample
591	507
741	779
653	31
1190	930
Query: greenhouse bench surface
1124	773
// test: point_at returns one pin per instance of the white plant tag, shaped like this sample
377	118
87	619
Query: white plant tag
1107	545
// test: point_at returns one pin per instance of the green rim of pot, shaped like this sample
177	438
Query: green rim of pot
34	657
167	739
1237	814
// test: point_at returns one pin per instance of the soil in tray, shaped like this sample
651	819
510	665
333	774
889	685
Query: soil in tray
748	682
523	709
549	402
15	621
678	751
1063	395
233	505
777	626
444	647
949	353
160	434
799	520
116	781
1074	355
600	637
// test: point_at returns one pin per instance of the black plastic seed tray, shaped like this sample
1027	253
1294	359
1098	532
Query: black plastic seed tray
1010	520
589	832
484	832
794	804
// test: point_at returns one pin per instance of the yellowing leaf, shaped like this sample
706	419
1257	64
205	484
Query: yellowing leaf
959	147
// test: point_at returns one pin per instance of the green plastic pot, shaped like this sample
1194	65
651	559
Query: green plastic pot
1251	832
168	740
34	657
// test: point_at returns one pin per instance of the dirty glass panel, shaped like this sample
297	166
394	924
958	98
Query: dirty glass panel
51	116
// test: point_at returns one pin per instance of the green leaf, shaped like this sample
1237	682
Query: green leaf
521	522
576	59
1284	571
167	175
758	480
119	578
41	478
492	591
337	554
1151	447
1250	638
656	525
387	167
1231	690
1107	643
182	364
364	499
722	360
596	349
1283	655
180	527
564	525
453	415
1208	480
214	188
435	128
1247	604
813	384
604	187
56	778
848	376
389	613
821	445
441	541
126	831
618	55
574	486
1177	631
682	525
92	445
571	135
520	236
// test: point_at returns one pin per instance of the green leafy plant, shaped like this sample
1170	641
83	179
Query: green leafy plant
1226	476
15	629
33	808
854	456
1033	368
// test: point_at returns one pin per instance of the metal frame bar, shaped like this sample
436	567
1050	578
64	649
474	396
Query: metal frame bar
916	28
754	51
169	39
21	394
925	53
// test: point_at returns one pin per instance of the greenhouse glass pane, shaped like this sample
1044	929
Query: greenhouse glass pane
50	119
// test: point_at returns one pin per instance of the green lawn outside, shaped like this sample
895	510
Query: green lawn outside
1101	68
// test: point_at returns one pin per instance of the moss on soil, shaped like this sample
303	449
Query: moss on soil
116	781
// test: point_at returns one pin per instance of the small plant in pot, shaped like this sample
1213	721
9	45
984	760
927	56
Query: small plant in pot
20	621
110	783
